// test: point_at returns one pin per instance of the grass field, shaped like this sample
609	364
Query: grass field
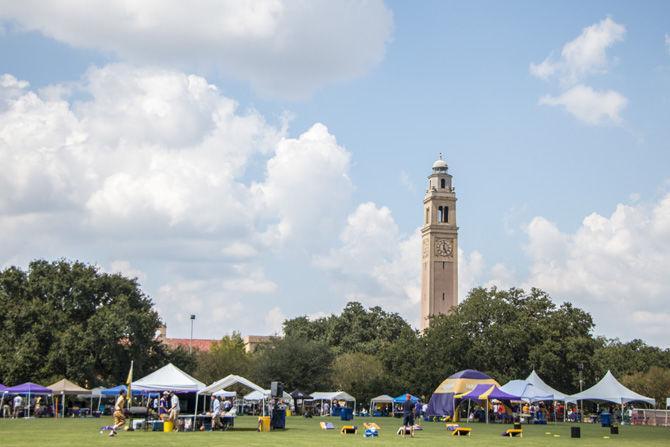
306	432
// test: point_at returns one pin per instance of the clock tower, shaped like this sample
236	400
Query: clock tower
439	249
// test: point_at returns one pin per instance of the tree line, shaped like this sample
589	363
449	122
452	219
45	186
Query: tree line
69	319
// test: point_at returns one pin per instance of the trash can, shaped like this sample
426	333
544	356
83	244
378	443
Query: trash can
264	423
575	432
278	420
168	426
605	419
614	430
346	414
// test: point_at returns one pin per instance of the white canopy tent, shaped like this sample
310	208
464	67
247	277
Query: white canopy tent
384	399
330	396
256	396
609	389
228	381
542	387
168	378
224	393
526	390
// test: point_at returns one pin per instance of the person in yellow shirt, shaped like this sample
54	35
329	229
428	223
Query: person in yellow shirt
119	417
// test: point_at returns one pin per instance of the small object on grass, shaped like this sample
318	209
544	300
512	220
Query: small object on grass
606	437
557	436
548	433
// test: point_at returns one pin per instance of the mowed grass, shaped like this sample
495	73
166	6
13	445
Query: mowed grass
306	432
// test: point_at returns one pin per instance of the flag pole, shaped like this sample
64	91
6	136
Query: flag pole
129	381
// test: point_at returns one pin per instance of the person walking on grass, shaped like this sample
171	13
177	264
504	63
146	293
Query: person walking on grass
119	417
408	415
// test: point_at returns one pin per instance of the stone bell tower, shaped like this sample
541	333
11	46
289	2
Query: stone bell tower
439	234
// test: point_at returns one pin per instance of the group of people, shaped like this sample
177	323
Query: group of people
15	407
167	408
219	409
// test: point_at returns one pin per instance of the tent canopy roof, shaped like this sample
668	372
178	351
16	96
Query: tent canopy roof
64	386
383	399
28	387
333	395
526	390
257	395
469	374
230	380
609	389
540	384
483	391
464	381
400	399
168	378
2	387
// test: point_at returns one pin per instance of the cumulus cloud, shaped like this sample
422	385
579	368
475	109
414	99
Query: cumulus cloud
102	169
274	320
585	55
612	265
283	48
588	105
580	58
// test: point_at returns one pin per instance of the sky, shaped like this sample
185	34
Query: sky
250	162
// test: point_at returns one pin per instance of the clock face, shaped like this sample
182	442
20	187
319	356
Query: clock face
444	247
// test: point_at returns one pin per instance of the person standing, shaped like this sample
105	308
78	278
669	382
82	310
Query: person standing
216	413
18	403
408	415
174	409
6	409
119	417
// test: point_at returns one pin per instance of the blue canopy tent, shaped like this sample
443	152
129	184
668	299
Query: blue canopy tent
115	391
401	399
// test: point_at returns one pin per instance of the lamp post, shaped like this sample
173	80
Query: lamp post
190	344
580	366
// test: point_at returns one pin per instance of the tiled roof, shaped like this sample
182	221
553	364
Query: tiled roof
201	344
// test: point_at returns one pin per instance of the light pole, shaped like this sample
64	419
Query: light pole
190	344
581	382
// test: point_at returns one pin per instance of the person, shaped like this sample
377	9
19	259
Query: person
174	409
119	417
163	406
227	405
216	413
6	409
38	407
326	409
408	415
18	404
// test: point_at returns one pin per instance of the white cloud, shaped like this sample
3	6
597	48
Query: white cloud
106	177
284	48
612	266
590	106
580	58
585	55
124	268
667	42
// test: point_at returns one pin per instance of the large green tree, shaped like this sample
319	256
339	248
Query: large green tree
226	356
68	319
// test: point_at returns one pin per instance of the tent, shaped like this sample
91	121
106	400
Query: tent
384	400
526	390
168	378
441	403
329	396
115	391
95	393
66	388
540	384
28	388
487	393
224	393
609	389
400	399
224	383
257	396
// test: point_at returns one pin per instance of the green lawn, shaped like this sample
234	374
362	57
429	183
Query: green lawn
306	432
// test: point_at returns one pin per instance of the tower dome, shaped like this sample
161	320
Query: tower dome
440	165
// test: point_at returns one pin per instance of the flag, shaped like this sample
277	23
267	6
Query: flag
129	380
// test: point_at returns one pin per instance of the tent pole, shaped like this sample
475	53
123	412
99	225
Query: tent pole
487	409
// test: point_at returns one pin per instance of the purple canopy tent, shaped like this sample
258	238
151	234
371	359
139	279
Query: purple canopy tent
28	388
488	392
442	401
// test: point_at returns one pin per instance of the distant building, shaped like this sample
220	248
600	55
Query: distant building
251	342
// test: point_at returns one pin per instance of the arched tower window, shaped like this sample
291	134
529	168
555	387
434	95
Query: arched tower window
446	214
443	183
440	214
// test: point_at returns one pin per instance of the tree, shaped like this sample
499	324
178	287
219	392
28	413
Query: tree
628	358
67	319
227	356
654	383
361	375
295	361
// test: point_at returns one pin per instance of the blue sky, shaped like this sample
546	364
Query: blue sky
570	197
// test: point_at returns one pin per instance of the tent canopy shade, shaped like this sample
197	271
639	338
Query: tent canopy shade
64	386
2	388
28	387
526	390
464	381
168	378
482	392
228	381
609	389
383	399
333	395
256	396
540	384
400	399
224	393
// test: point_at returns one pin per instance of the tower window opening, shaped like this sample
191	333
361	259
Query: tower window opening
443	183
445	214
427	214
440	214
442	296
444	264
